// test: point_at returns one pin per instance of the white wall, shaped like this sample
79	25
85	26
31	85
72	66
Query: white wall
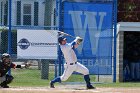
129	26
40	14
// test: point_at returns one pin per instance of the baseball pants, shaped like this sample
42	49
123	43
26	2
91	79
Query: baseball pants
69	69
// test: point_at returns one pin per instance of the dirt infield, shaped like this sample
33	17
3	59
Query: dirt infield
68	89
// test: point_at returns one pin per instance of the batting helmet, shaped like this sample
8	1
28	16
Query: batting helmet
5	55
60	39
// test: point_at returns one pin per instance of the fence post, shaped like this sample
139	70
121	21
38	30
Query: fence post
9	31
115	30
55	68
45	69
48	13
48	17
39	64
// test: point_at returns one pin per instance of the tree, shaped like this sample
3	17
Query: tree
128	11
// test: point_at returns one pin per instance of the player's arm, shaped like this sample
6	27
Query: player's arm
19	66
77	42
74	45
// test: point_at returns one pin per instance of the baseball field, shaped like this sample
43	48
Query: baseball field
70	89
28	81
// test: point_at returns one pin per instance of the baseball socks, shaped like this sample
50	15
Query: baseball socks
87	79
57	79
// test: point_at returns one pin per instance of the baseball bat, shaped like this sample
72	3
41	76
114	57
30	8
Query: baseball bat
65	34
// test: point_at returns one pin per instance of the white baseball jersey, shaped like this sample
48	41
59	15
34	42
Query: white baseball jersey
69	54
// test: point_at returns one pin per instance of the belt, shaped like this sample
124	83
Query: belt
72	63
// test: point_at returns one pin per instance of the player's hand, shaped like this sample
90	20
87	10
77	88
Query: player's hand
79	40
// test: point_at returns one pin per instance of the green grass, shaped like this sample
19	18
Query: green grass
32	78
29	77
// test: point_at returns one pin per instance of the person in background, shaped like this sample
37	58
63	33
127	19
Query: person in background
5	65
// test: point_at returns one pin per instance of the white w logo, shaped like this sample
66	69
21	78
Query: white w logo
80	26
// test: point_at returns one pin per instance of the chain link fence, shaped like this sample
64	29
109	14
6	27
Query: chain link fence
27	14
35	14
100	64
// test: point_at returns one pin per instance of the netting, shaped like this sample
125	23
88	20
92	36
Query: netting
54	15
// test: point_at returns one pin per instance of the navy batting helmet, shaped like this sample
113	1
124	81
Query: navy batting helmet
60	39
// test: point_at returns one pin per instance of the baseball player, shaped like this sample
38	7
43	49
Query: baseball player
5	66
71	64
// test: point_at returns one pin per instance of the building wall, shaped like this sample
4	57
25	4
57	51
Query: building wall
41	11
122	27
119	58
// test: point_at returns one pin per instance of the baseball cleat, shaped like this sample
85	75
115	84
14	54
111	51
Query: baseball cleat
52	85
90	87
5	86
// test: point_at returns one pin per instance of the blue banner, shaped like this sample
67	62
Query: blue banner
94	23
